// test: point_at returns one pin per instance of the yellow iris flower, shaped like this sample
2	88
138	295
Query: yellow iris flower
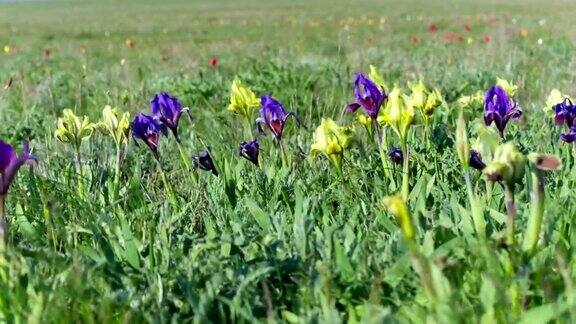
112	125
555	97
398	114
242	100
331	140
397	207
73	129
376	77
509	87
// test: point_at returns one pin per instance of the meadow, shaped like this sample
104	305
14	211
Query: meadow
414	208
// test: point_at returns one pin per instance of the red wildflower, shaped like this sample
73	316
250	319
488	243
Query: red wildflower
47	53
487	38
432	28
213	62
468	27
415	40
453	37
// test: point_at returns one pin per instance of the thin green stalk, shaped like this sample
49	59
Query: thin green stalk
535	221
377	135
574	152
79	171
405	171
167	186
489	190
282	153
3	224
118	161
511	212
427	133
477	211
248	129
184	159
382	150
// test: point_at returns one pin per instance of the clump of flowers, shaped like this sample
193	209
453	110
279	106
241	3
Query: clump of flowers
331	140
73	129
399	115
117	126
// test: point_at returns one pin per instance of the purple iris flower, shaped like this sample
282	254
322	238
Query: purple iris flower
565	113
476	160
148	129
395	154
368	96
273	115
249	151
204	161
10	164
168	110
569	137
499	108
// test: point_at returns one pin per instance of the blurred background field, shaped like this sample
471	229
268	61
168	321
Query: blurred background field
325	254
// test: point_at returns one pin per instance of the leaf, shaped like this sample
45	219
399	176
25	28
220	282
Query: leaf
544	313
259	215
130	251
290	317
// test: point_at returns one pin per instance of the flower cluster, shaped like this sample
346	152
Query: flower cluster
564	114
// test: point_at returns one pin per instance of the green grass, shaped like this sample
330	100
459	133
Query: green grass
286	244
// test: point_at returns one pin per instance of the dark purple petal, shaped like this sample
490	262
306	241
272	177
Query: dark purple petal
273	115
250	150
353	107
167	110
565	113
569	137
514	113
7	156
9	172
147	129
499	108
395	154
476	160
489	117
367	95
204	161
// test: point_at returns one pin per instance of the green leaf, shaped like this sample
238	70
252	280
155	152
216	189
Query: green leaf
260	216
544	313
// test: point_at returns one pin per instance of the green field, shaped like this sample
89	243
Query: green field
99	232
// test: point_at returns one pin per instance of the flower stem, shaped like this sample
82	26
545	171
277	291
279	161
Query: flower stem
3	224
511	212
574	152
167	186
405	171
377	136
535	220
184	159
116	187
282	153
79	172
477	211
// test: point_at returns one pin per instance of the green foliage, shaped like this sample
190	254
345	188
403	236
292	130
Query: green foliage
290	244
